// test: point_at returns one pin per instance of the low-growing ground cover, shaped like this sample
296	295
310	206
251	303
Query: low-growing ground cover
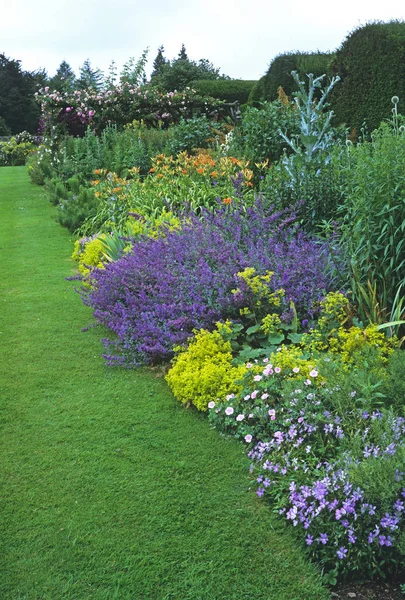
110	489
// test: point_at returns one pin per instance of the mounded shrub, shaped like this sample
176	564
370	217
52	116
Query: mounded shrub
230	90
371	65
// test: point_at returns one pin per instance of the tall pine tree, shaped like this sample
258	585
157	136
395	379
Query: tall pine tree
64	78
89	77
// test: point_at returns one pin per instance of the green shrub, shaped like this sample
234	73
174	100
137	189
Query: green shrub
39	166
188	135
76	208
257	137
372	68
230	90
394	385
257	93
14	153
114	150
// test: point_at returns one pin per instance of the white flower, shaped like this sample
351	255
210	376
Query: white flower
211	404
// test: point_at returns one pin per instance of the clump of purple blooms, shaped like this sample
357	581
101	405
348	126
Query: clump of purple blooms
337	476
154	297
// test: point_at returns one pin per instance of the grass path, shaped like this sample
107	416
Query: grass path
109	488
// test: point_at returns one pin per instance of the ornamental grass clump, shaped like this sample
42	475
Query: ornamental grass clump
155	296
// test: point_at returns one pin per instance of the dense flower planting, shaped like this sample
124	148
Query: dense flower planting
120	104
156	295
333	469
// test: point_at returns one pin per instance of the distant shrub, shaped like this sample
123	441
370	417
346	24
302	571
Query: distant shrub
14	153
229	90
188	135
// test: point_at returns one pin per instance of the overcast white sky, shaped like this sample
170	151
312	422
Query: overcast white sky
241	37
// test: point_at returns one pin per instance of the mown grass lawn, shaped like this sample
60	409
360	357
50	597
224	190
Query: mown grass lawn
110	488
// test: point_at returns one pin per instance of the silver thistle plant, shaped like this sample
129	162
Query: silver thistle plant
316	131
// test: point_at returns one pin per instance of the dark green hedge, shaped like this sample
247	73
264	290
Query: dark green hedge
230	90
371	64
279	73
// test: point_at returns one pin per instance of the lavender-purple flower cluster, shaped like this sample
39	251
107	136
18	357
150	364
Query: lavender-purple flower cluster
154	297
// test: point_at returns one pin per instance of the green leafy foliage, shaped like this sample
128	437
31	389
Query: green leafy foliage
257	136
374	221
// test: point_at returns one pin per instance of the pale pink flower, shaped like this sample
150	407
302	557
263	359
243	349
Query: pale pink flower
313	373
229	410
248	438
211	404
240	417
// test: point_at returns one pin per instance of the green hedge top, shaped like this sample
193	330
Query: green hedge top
230	90
279	73
371	64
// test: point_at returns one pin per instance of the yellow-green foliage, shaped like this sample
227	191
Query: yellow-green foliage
335	333
263	297
89	255
153	226
271	324
291	357
203	372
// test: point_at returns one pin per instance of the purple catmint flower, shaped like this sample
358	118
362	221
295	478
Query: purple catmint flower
155	296
341	553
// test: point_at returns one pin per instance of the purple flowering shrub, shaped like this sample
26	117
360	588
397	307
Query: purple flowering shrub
155	296
334	469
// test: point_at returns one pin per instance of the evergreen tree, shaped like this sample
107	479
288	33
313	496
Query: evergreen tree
89	77
181	71
183	53
158	63
18	108
64	78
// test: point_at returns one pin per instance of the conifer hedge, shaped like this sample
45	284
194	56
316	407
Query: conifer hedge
371	64
279	73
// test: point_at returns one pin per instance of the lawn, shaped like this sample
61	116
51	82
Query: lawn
110	488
